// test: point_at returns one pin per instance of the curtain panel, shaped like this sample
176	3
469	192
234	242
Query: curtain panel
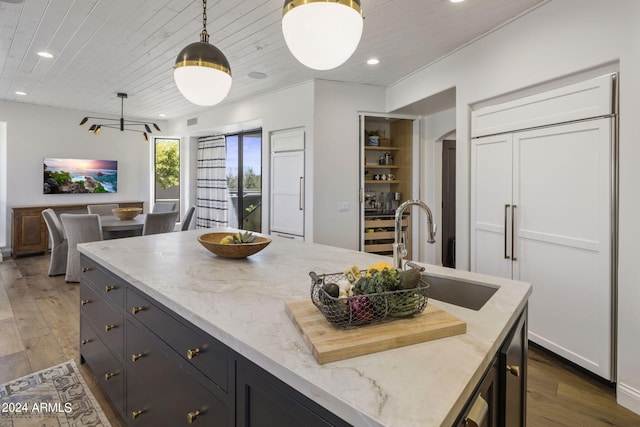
212	196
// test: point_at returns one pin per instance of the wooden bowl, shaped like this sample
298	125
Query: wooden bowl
126	213
211	241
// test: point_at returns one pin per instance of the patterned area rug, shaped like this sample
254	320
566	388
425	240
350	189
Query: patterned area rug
53	397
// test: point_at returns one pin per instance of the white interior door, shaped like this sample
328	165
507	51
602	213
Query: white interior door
491	180
562	190
287	192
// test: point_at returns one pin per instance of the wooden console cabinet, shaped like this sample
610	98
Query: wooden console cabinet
29	231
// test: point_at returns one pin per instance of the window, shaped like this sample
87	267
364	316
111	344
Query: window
244	153
167	171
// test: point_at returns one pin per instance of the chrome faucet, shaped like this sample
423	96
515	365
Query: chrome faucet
399	245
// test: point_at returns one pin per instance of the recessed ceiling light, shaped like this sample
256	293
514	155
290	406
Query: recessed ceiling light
456	1
162	115
45	54
373	61
19	92
257	75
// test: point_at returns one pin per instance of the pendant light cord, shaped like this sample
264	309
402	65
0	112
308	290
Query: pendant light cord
204	36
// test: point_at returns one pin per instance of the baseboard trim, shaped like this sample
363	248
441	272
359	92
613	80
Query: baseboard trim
5	253
628	397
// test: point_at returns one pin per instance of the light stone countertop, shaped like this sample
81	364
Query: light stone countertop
241	303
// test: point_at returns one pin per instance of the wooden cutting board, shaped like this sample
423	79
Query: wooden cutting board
328	343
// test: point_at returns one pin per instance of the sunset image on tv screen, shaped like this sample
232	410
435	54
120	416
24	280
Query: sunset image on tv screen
75	176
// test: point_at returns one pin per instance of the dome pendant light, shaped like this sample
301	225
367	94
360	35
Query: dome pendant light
202	72
322	34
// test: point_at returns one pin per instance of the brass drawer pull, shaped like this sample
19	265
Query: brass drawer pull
109	375
191	416
136	356
109	327
192	353
86	269
84	302
110	288
83	342
513	370
136	310
136	414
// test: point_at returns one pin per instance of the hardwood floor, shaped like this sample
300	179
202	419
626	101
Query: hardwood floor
39	323
560	394
39	327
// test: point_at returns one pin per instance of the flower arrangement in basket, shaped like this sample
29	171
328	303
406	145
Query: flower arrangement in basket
358	297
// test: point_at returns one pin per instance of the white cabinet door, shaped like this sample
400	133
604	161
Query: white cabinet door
541	212
491	180
287	192
562	190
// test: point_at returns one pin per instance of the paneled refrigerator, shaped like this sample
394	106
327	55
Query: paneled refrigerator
543	210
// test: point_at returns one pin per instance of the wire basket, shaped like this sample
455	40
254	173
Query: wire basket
369	308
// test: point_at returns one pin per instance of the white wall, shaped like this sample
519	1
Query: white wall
285	109
34	132
328	112
558	43
336	159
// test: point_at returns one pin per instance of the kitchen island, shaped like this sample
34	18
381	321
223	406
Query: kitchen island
240	305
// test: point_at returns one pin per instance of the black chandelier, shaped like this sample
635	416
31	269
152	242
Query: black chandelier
120	123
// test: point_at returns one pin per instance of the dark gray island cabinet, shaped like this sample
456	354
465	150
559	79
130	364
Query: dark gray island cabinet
500	400
159	370
175	336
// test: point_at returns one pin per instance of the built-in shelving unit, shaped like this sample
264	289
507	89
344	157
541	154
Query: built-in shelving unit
392	156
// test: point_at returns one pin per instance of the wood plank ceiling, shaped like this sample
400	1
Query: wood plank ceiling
102	47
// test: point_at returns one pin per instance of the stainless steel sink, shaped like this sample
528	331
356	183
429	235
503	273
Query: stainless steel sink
457	292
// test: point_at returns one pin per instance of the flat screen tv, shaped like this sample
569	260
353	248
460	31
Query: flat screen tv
77	176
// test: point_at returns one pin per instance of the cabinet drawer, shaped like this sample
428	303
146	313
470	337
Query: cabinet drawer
102	363
105	319
379	235
374	223
179	393
104	282
381	247
262	399
143	410
198	349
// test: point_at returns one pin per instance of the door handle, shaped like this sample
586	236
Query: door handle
301	197
506	212
513	232
478	413
513	370
286	237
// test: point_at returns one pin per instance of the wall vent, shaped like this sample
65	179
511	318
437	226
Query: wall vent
192	122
